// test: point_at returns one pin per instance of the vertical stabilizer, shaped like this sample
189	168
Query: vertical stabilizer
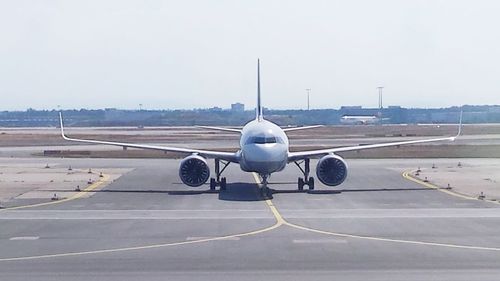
258	109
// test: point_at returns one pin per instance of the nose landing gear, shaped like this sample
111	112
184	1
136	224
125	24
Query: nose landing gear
306	180
265	192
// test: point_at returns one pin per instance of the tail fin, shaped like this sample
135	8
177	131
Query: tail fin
258	109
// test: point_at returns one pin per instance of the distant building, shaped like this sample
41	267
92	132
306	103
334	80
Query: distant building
215	109
237	107
350	107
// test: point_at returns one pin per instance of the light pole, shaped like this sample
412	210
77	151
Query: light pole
308	93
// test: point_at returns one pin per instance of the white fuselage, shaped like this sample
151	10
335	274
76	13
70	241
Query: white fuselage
359	119
264	147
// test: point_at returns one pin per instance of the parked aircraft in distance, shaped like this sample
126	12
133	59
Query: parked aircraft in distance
359	119
264	149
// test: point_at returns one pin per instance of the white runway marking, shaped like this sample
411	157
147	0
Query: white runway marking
24	238
319	241
248	214
392	213
134	214
194	238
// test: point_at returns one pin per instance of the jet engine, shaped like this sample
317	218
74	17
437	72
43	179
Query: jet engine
194	170
331	170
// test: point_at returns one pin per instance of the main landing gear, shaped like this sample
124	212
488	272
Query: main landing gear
218	181
306	180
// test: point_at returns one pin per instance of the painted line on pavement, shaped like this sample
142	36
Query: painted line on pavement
153	246
402	241
277	215
24	238
91	187
375	238
407	175
279	222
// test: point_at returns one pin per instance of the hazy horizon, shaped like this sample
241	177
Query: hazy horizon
201	54
246	108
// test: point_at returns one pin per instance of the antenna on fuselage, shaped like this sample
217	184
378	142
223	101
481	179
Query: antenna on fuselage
258	109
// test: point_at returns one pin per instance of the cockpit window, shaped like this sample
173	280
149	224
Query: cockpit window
264	139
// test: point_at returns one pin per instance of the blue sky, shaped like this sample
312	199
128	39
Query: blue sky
192	54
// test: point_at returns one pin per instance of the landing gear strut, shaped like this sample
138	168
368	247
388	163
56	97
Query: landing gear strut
264	190
218	181
306	180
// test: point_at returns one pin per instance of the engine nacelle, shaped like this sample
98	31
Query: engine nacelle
331	170
194	170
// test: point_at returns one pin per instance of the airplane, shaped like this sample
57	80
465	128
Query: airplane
359	119
264	150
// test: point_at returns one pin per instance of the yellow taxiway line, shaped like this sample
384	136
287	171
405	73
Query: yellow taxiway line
345	235
279	218
91	187
407	175
280	221
152	246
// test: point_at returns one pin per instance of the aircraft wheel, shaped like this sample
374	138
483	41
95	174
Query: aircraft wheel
264	192
223	184
311	183
212	184
301	183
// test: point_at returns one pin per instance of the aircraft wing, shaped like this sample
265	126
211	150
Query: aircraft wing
239	130
301	128
220	129
294	156
228	156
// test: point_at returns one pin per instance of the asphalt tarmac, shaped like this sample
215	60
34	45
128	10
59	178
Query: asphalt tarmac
147	225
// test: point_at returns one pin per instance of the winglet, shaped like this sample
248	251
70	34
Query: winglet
62	127
459	126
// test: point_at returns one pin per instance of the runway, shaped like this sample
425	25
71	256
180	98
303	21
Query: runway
146	224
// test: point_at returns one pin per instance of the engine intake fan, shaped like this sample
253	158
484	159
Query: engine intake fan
194	170
331	170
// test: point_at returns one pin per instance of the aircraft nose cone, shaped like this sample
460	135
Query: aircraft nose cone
265	152
264	158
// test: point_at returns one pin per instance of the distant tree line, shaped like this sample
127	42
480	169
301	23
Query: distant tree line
118	117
